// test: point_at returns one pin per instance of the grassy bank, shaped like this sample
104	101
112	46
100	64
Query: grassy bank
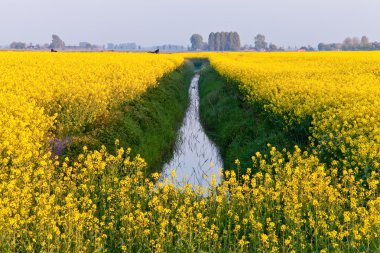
240	129
148	125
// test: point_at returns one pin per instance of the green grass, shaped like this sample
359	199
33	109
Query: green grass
239	128
148	125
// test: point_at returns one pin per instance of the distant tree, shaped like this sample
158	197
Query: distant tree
224	41
375	45
327	47
364	40
347	43
272	47
303	48
365	44
217	41
235	46
196	41
321	46
18	45
211	42
307	48
260	44
355	42
229	42
57	42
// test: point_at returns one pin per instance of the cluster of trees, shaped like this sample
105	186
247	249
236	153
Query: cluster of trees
56	43
219	41
230	41
350	44
307	48
23	45
261	45
18	45
224	41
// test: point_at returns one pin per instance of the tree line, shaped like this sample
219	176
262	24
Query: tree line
56	43
224	41
350	44
230	41
219	41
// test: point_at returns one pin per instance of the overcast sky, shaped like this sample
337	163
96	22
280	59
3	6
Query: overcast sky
153	22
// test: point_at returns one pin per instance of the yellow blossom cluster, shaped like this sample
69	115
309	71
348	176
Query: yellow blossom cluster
99	202
81	87
327	198
43	95
102	202
333	96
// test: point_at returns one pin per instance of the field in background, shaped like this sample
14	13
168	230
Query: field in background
324	197
80	87
45	97
328	190
333	98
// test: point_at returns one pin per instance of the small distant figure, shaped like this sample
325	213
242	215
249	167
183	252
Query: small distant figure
154	52
53	51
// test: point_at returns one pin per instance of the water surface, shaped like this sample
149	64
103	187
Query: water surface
196	157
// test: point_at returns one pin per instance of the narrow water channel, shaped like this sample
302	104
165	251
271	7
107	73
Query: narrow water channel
196	158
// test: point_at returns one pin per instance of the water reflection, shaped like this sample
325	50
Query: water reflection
196	158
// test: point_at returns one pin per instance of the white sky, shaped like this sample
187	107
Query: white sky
153	22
